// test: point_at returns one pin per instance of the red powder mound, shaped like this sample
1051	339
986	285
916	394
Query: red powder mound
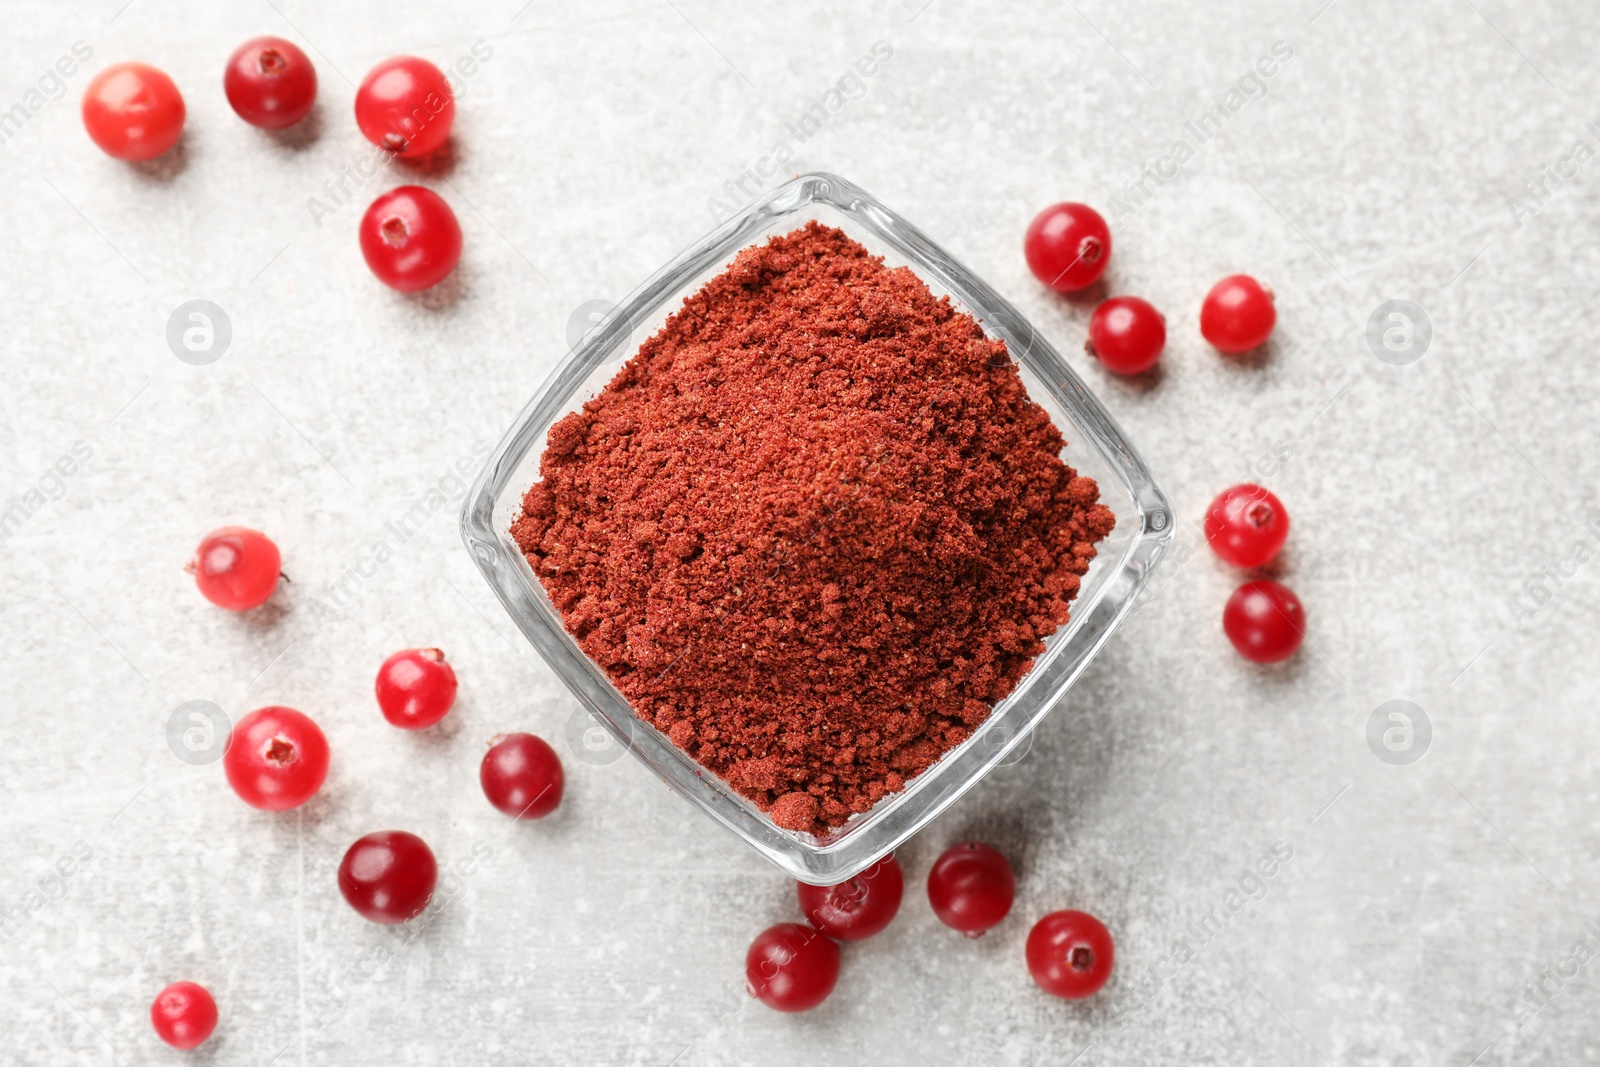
814	529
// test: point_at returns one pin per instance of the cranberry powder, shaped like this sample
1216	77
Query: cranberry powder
814	529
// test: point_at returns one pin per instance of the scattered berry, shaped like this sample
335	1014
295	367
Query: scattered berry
184	1014
791	967
270	83
236	567
415	688
405	104
276	759
971	887
1068	246
856	909
1238	314
388	877
1246	525
1265	621
522	776
1070	954
133	111
1127	334
410	238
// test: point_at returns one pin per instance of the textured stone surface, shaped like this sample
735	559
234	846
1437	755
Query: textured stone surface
1419	900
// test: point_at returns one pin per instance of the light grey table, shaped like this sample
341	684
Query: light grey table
1388	156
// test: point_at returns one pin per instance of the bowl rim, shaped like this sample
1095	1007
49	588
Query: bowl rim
868	837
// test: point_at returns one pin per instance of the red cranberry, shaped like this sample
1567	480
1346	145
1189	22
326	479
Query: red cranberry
522	776
971	887
133	111
270	83
276	759
410	238
1070	954
791	967
859	908
1238	314
388	877
184	1015
405	104
1127	334
236	567
415	688
1246	525
1265	621
1068	246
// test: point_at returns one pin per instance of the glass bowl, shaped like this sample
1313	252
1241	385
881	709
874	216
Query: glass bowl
1095	446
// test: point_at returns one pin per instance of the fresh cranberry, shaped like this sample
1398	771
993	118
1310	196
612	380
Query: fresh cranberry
856	909
184	1014
415	688
1246	525
1068	246
410	238
522	776
270	83
791	967
1070	954
276	759
1265	621
405	104
388	877
1127	334
1238	314
971	887
236	567
133	111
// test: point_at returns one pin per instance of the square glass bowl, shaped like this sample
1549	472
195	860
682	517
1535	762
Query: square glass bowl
1096	447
